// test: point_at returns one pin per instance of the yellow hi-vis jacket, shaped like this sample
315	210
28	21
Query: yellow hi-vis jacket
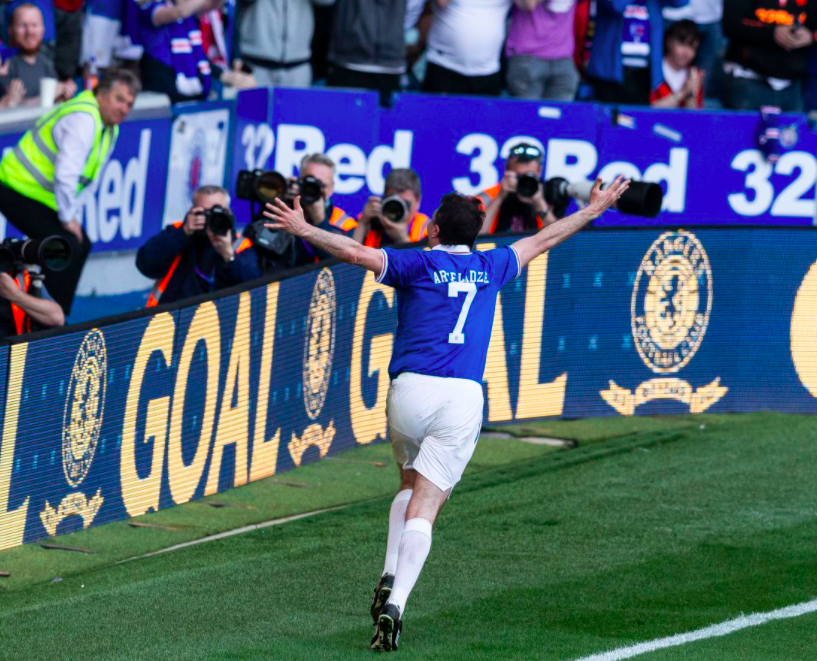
28	168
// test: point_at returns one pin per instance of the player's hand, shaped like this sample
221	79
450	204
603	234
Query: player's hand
222	244
194	221
75	228
283	218
371	211
601	200
8	288
508	184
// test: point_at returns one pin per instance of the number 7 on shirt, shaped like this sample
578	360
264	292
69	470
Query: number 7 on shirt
454	290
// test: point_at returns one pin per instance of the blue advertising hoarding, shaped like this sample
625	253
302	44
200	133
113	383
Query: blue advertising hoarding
138	415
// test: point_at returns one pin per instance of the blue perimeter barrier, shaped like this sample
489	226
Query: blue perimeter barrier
144	413
708	163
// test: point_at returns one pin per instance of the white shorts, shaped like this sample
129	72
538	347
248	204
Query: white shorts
434	425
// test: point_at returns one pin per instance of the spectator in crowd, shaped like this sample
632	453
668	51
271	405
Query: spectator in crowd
111	32
174	62
376	229
625	58
319	169
188	259
68	28
767	53
506	210
29	66
707	15
46	8
465	45
683	84
540	50
44	178
23	312
276	38
367	47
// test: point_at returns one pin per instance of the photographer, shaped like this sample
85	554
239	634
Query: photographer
517	203
315	186
198	255
21	311
395	218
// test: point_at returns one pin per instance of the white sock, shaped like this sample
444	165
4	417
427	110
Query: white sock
397	521
414	547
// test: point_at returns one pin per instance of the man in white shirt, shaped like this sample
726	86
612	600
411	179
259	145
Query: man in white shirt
464	46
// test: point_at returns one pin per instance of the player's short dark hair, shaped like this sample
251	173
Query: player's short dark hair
460	219
684	32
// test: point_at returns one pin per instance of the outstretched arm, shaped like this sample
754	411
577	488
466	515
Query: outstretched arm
344	248
600	200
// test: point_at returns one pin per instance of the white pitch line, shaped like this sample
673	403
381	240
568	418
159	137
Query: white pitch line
714	631
230	533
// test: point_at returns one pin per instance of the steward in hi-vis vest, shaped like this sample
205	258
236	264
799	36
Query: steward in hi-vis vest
44	177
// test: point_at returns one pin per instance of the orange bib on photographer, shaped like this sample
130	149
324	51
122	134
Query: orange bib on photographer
22	322
160	286
418	230
490	194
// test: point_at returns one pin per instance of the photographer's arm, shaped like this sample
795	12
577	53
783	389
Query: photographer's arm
344	248
45	312
155	257
551	236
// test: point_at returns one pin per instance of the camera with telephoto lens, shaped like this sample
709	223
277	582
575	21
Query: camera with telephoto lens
52	252
395	208
311	189
642	198
527	184
260	186
220	221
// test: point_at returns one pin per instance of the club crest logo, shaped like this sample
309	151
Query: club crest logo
319	346
669	311
671	302
81	426
84	407
319	351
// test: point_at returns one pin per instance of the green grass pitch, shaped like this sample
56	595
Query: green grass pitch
649	528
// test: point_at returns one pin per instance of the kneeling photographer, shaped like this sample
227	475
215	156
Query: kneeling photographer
517	203
316	183
25	305
200	254
395	218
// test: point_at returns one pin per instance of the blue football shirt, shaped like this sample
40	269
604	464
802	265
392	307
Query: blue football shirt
446	299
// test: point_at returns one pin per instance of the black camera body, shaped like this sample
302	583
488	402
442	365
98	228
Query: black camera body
220	221
260	186
527	184
51	252
311	189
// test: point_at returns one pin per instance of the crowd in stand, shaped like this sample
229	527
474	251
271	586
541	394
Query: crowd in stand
736	54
